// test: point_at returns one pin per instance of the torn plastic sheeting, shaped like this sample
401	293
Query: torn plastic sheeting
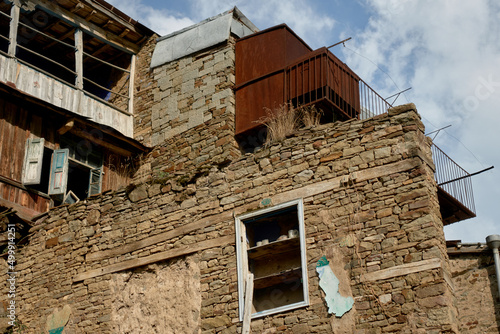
337	304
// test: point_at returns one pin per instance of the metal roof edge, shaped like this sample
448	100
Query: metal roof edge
200	36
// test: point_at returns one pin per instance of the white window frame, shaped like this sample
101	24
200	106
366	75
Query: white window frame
242	258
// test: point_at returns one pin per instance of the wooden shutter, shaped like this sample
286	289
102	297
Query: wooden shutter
33	159
59	172
242	262
95	181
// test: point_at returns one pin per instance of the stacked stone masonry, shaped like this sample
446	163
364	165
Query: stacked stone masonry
476	289
370	207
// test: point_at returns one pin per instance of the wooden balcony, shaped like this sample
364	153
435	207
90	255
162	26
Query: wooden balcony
47	88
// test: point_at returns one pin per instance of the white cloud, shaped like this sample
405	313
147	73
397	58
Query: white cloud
160	21
311	23
449	53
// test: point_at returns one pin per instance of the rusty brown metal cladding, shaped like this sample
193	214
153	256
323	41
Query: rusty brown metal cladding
275	66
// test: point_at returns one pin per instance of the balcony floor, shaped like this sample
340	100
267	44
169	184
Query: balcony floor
452	210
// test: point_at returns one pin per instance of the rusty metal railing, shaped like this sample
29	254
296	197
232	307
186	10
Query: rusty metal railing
371	103
321	76
453	179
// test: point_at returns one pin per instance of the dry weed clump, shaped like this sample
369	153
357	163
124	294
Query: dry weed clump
284	120
281	122
310	116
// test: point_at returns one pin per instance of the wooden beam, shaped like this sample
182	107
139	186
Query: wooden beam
66	127
71	32
79	59
124	32
169	254
108	22
131	83
247	313
112	15
401	270
103	143
336	182
77	7
155	239
89	15
89	27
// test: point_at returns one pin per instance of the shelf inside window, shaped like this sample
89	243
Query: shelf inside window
285	276
273	248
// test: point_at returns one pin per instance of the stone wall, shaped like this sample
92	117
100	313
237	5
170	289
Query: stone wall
476	289
370	207
185	93
143	96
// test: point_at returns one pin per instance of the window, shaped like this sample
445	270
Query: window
271	246
74	170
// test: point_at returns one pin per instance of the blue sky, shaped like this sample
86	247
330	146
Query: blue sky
447	51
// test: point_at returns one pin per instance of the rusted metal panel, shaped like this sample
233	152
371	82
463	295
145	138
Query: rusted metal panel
308	77
267	51
252	101
261	60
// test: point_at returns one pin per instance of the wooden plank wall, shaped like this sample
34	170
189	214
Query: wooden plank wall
117	171
20	121
16	125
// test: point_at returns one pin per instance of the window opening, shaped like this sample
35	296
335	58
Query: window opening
272	248
5	18
78	179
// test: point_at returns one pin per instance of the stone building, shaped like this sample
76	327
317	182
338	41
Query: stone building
335	228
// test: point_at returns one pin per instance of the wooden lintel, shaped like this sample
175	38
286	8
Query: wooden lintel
103	143
14	22
89	27
303	192
336	182
169	254
181	230
401	270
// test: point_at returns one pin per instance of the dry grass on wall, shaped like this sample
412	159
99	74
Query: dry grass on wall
310	116
284	120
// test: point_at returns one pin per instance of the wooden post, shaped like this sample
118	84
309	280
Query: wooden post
247	313
14	23
79	58
131	85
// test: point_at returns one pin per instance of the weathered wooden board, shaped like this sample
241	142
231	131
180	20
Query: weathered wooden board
335	183
172	253
404	269
181	230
